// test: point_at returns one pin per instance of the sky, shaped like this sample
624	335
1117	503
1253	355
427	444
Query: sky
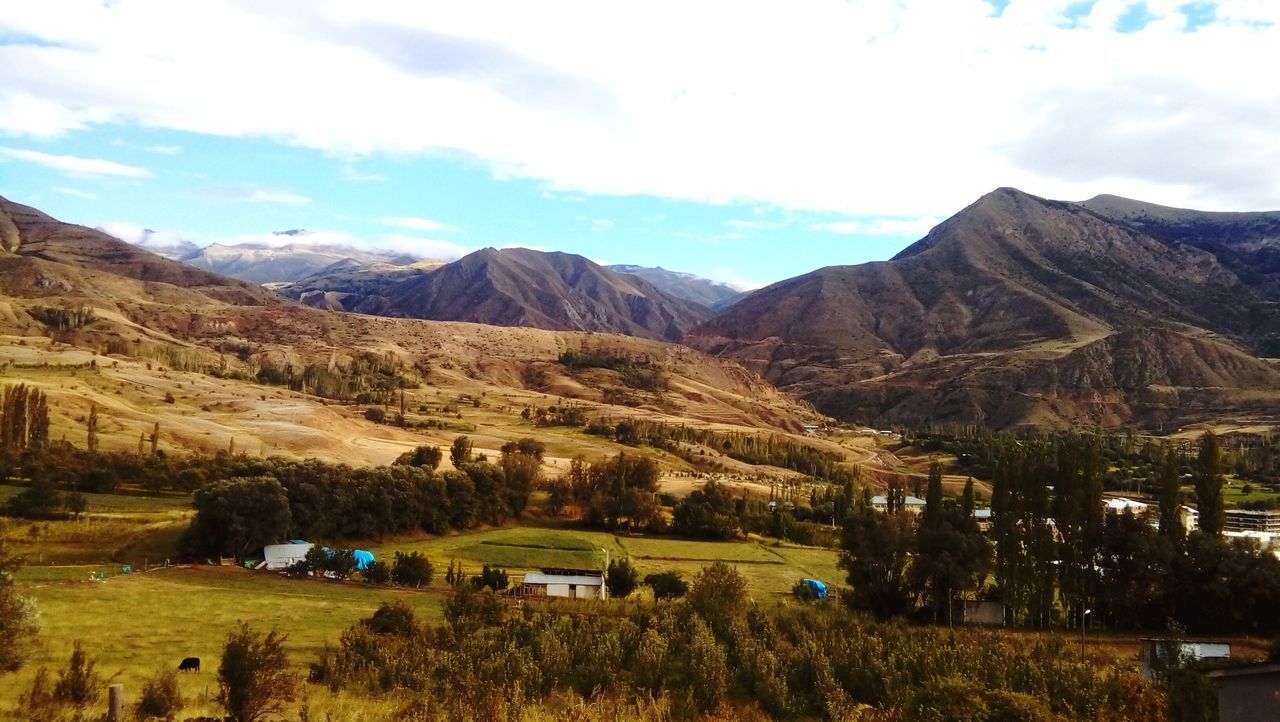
741	140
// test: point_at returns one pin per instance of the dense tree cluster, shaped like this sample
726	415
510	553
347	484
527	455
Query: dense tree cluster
1058	554
368	378
714	649
24	419
754	449
262	501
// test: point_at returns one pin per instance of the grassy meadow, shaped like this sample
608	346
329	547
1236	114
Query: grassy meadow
140	623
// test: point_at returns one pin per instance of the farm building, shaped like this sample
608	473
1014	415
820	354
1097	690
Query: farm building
567	583
278	557
1247	693
913	504
1157	654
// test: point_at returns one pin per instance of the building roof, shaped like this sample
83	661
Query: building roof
882	500
575	579
1244	670
1121	504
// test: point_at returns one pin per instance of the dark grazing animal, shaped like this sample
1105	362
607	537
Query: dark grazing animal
190	664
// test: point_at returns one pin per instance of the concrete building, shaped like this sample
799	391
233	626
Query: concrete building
912	504
1247	694
565	583
1158	654
1250	520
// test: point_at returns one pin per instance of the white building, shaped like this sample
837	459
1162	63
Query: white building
913	504
278	557
566	583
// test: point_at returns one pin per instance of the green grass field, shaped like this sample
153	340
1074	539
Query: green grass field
140	623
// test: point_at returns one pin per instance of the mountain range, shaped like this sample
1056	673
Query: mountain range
1016	311
1022	311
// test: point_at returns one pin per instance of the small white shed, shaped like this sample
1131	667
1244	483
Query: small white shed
278	557
569	585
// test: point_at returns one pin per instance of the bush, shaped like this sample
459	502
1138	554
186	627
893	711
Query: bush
392	618
79	685
667	585
622	578
412	570
376	573
804	592
160	697
491	577
376	414
426	456
19	618
253	677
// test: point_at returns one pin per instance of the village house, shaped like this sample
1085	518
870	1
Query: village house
565	583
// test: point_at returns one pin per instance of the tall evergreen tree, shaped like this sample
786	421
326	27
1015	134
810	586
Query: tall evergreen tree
1209	485
92	424
1171	525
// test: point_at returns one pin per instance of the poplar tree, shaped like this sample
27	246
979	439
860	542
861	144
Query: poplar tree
92	437
1209	485
1171	525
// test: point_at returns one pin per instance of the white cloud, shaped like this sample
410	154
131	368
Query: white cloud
733	279
74	165
75	192
424	247
913	227
876	108
602	224
754	225
417	224
165	149
257	195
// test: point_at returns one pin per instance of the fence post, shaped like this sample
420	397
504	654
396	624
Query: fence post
115	703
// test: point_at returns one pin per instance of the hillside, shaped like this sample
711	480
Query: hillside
712	294
45	258
92	320
289	262
512	287
950	325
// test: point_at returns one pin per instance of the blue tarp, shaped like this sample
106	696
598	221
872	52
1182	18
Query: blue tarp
817	586
362	559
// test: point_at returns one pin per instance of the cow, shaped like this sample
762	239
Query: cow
190	664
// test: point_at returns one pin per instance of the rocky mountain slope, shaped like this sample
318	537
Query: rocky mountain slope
712	294
264	263
220	362
41	257
969	322
511	287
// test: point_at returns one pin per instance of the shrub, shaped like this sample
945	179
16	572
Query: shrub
79	685
376	573
622	578
412	570
253	678
392	618
491	577
376	414
667	585
160	697
804	592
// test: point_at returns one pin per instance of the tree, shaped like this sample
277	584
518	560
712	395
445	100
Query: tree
412	570
155	438
1171	525
619	492
160	698
376	572
621	578
19	618
460	452
1209	485
492	578
253	678
718	595
425	456
237	515
876	554
91	439
40	500
24	418
667	585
